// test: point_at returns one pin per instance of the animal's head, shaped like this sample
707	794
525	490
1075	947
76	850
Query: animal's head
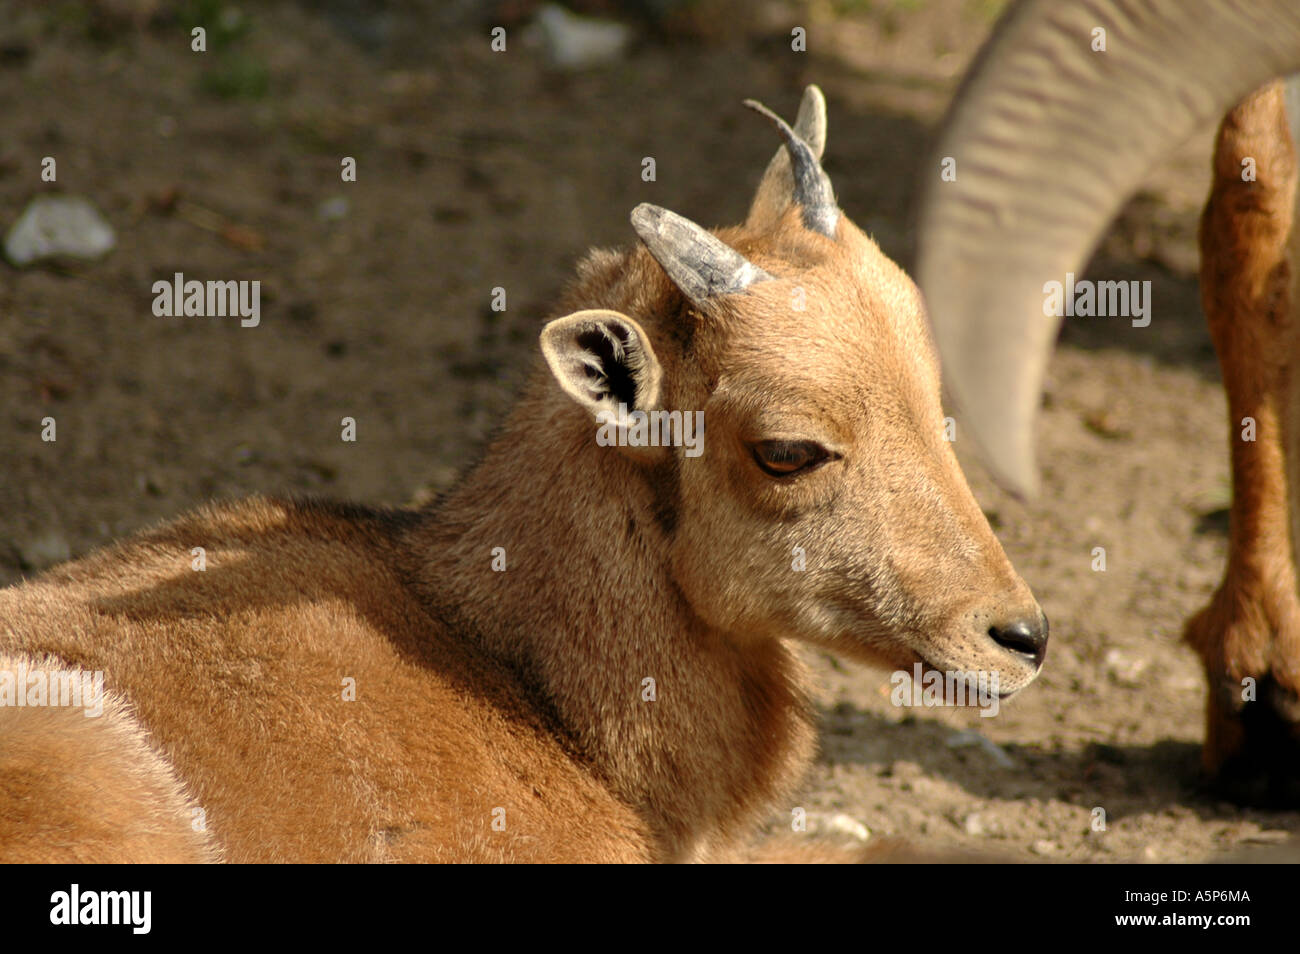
826	504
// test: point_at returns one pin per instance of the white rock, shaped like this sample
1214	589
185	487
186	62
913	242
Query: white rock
59	226
965	738
1125	667
574	43
848	825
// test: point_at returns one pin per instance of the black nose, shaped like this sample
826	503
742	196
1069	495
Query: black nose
1025	637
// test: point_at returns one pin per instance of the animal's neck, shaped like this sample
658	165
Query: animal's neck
587	612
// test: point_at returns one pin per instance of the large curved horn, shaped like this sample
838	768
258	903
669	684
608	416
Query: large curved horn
698	262
811	186
1049	138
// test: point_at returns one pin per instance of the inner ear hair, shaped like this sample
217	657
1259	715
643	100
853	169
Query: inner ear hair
602	359
612	362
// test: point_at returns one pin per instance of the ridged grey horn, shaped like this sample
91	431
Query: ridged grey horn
699	263
1049	137
812	187
776	189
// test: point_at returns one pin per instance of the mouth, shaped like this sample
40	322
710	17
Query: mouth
928	667
899	653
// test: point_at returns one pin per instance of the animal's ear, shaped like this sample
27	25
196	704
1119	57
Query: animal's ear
603	359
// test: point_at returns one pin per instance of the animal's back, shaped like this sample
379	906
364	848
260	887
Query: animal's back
308	701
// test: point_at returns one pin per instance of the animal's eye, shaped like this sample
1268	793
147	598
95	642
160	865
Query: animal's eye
784	458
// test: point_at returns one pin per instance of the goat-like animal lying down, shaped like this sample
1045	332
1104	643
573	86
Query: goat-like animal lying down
582	652
1069	106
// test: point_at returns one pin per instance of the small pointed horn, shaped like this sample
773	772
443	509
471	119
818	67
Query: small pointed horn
812	187
699	263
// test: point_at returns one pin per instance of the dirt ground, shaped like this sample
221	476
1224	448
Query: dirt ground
479	169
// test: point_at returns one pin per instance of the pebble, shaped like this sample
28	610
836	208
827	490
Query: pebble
848	825
59	227
966	737
1126	667
575	43
838	824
